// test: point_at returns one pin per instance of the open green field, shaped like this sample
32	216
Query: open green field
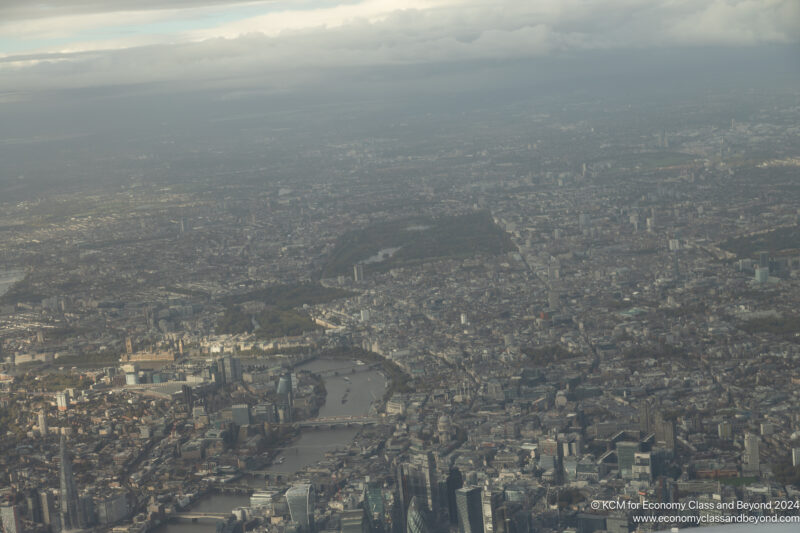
417	240
289	296
280	319
272	323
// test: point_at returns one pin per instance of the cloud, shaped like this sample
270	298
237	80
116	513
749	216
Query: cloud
295	42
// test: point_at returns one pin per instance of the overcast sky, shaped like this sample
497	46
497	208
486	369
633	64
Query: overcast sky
79	44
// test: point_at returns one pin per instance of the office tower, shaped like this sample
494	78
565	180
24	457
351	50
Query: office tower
86	510
642	466
470	512
43	423
761	274
62	401
417	479
188	396
454	482
752	459
665	432
646	422
231	369
426	466
795	456
358	272
10	519
763	259
241	414
626	454
416	521
490	502
354	521
33	506
48	507
71	516
300	499
725	430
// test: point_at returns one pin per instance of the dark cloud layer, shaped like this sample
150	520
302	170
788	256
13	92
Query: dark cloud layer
457	32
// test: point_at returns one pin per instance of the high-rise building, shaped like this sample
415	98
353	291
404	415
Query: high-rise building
626	455
795	456
470	512
358	272
188	396
646	421
454	482
240	414
231	369
71	515
33	506
665	432
11	519
48	507
490	502
417	478
301	501
416	520
62	400
752	458
725	430
642	466
43	423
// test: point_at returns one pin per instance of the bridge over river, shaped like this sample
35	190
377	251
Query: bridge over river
334	422
347	370
200	515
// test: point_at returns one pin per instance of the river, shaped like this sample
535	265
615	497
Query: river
359	391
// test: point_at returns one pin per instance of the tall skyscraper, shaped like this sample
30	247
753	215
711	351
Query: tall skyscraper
665	432
358	272
300	499
417	478
490	502
752	457
626	453
646	422
10	519
454	482
48	506
33	506
62	401
231	369
470	512
71	516
416	521
43	423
